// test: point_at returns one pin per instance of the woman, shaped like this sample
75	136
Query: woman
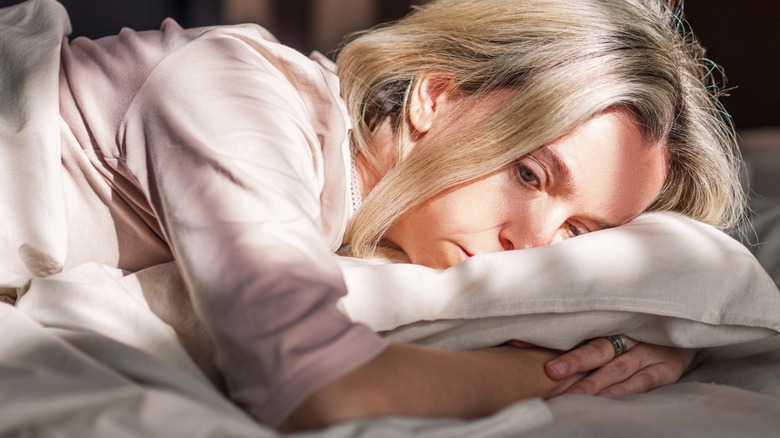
469	127
614	92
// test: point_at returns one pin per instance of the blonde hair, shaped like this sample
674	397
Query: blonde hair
566	61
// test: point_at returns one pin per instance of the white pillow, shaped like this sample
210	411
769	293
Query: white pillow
663	278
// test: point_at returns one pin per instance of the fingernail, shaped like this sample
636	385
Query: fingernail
604	395
558	368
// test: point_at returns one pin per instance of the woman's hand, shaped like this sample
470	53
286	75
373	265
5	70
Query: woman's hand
642	368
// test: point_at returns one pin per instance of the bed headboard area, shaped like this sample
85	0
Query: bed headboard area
741	36
761	151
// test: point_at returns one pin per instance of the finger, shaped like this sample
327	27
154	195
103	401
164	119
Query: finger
616	371
592	355
666	365
519	344
649	378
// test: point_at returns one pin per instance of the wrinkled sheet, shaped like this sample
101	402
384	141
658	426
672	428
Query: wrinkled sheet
89	353
82	354
662	278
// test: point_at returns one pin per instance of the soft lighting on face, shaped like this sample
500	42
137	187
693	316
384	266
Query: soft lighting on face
601	175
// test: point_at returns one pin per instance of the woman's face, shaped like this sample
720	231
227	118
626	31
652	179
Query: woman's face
601	175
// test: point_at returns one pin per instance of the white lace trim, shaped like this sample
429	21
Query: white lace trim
354	187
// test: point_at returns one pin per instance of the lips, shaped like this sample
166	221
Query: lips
465	252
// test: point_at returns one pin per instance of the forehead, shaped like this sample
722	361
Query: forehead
606	167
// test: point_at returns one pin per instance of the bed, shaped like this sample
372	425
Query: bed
94	351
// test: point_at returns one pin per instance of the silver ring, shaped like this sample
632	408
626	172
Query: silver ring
618	343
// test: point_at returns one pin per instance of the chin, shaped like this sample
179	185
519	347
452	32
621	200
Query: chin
393	255
431	261
438	255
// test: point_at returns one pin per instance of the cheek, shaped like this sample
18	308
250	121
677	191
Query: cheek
414	227
463	210
430	219
482	205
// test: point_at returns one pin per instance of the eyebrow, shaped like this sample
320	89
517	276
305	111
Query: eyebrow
565	178
563	174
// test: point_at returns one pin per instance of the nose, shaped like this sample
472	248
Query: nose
533	232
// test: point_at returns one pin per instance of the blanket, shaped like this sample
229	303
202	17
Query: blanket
83	354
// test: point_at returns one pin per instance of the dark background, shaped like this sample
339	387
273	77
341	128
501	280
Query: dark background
743	36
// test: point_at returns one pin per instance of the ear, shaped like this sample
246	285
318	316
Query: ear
430	94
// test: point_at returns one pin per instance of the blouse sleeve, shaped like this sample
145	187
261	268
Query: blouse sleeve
222	142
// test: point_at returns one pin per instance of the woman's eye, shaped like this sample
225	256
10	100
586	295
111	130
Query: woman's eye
575	231
527	175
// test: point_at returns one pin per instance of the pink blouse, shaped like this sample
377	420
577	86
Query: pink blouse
228	152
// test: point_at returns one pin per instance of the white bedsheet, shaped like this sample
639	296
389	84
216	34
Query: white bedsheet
83	354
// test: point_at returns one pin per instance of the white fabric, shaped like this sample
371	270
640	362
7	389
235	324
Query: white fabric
82	355
29	75
663	279
71	381
683	410
217	146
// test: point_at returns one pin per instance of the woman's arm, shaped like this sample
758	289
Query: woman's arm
416	381
419	381
227	139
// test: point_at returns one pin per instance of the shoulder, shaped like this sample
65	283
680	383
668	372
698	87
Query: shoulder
244	71
217	56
